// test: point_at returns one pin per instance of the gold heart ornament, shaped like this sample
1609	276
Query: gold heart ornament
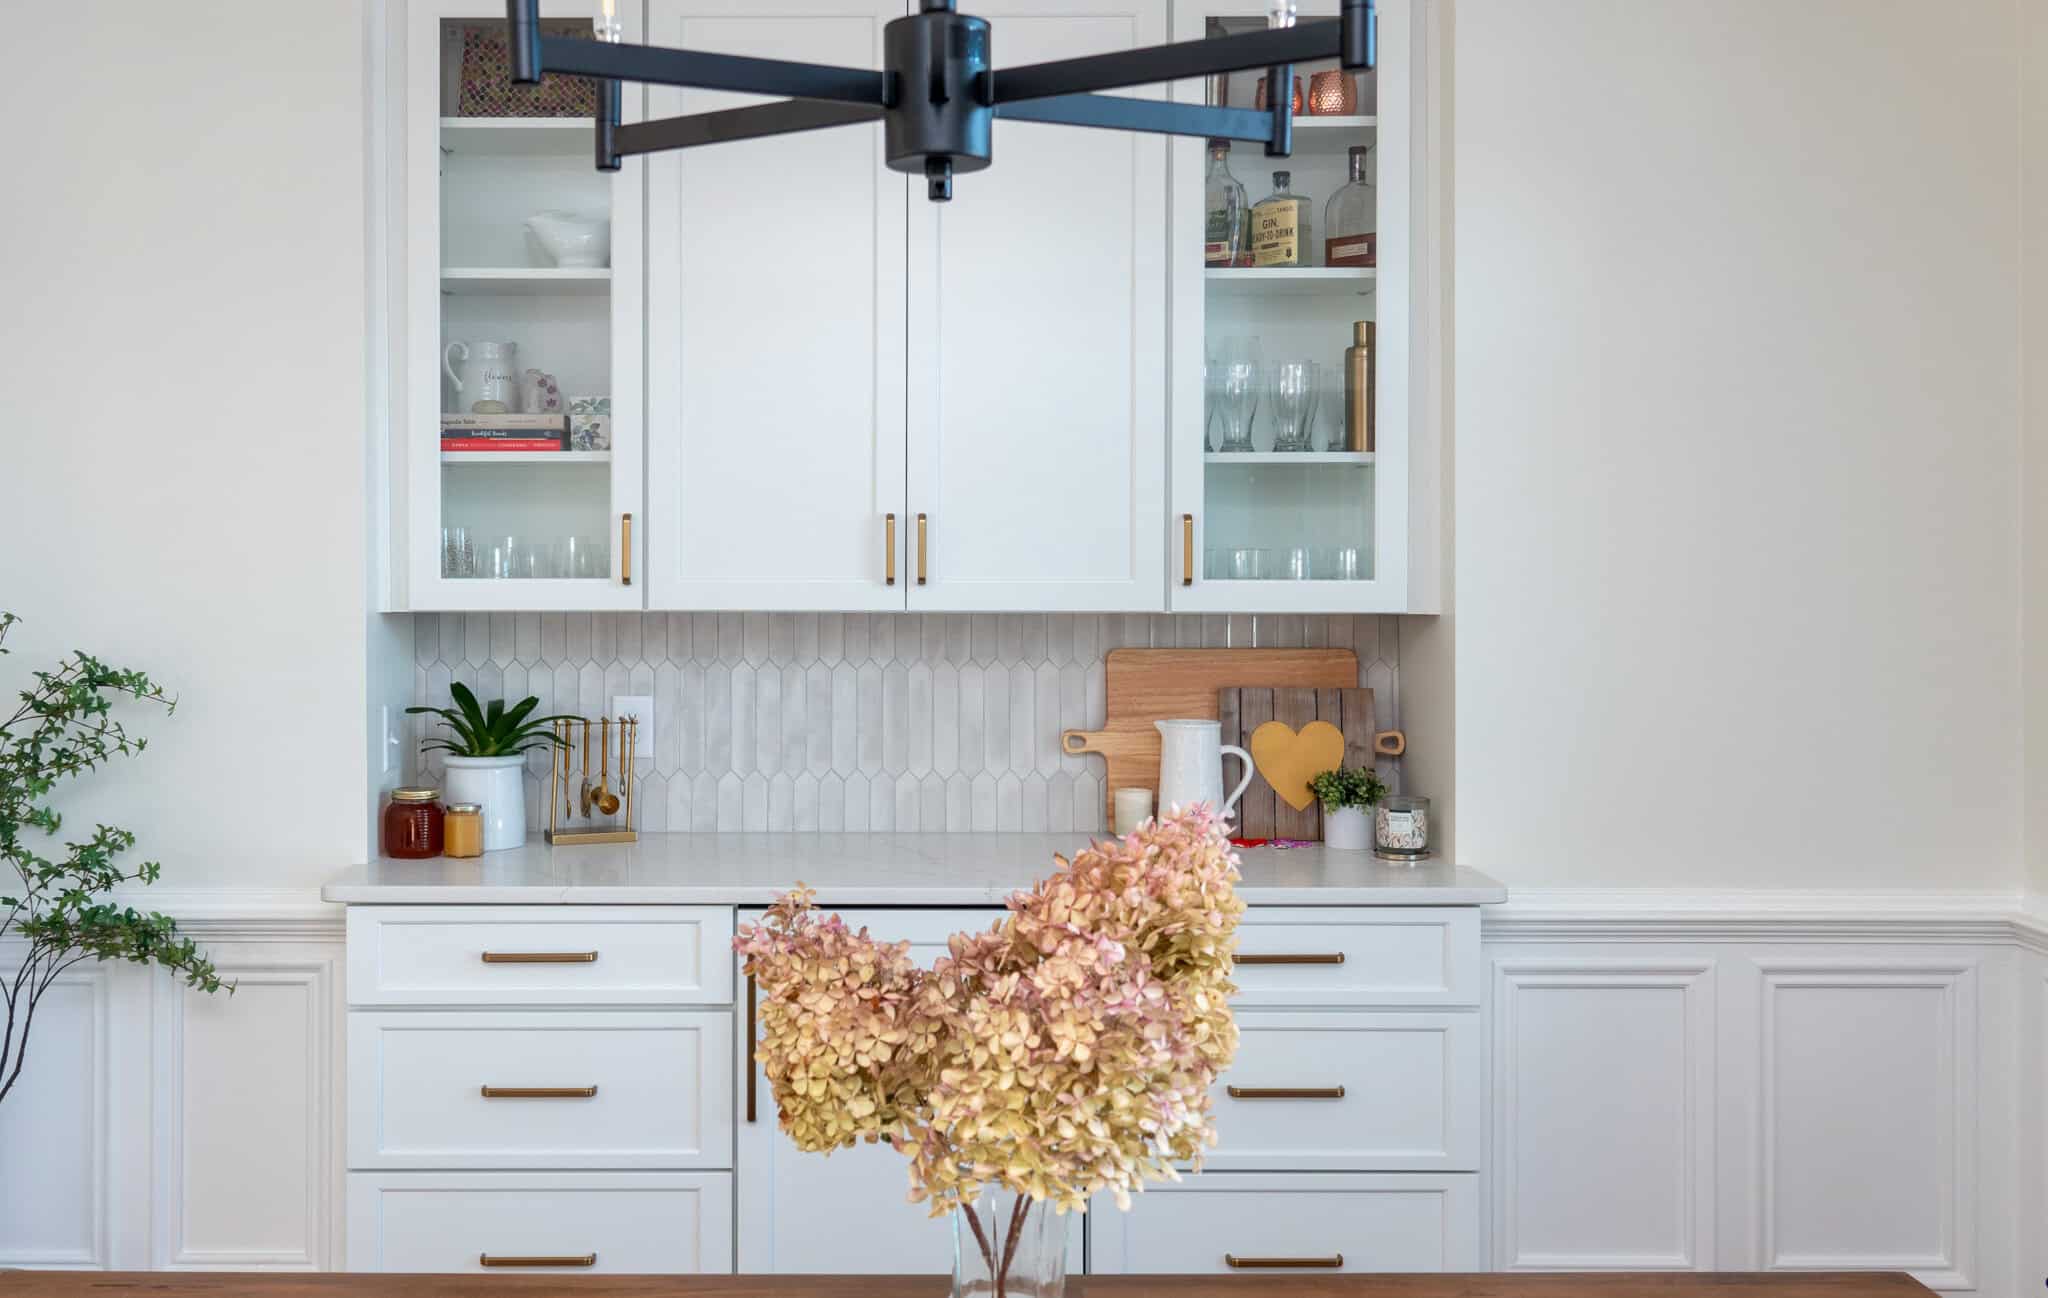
1288	758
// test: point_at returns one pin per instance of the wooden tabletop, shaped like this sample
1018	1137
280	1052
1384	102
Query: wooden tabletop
1684	1284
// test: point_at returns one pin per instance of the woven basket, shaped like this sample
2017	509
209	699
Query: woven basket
487	89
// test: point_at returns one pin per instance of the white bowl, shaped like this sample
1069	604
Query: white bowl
572	240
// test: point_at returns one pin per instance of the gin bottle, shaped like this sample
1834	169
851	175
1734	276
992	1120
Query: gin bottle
1280	226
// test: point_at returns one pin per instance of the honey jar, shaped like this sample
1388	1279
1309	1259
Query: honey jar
464	830
412	824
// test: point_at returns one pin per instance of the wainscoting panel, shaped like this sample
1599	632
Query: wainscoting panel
247	1115
1868	1116
54	1175
1603	1114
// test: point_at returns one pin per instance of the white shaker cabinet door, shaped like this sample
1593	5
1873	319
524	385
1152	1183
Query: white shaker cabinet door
775	333
1038	348
862	1192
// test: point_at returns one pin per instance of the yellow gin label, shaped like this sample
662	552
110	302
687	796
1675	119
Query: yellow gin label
1276	233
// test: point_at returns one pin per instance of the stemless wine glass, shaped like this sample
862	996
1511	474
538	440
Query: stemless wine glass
1247	564
1299	564
458	553
1241	363
1210	373
1295	390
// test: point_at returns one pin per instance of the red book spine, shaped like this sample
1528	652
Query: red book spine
500	444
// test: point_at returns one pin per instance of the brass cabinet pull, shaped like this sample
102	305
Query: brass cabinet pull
625	549
889	549
920	548
1187	549
750	1048
540	957
1330	1263
1284	1092
537	1092
1292	957
485	1259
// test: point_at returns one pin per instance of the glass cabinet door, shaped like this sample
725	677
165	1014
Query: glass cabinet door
1289	416
520	429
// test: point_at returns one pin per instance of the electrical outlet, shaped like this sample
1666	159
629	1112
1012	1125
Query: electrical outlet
641	708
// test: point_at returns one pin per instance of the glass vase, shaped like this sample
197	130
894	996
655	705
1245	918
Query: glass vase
1006	1246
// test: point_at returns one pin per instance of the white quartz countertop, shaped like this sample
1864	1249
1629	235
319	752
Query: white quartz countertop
863	870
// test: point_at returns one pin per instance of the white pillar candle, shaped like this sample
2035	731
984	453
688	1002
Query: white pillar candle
1132	808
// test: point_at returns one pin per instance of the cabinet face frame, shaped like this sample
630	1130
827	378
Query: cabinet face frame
681	579
1399	179
416	383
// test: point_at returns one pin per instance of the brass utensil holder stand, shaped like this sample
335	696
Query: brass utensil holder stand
587	810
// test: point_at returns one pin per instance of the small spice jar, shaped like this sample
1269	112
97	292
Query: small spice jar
1400	827
465	829
413	824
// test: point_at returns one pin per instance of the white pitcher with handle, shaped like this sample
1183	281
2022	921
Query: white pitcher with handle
1191	766
489	380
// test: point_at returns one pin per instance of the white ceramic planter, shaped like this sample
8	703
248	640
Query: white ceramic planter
498	785
1348	829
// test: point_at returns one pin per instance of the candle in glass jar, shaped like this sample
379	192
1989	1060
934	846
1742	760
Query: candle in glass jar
1400	827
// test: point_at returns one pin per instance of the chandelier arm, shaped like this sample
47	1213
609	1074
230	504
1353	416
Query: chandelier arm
1174	62
752	123
700	70
1118	113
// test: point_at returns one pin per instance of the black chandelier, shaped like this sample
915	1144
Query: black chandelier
936	95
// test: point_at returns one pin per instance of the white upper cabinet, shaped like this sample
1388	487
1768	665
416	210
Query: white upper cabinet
481	301
1277	506
1038	348
775	333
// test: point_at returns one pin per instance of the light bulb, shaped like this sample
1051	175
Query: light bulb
1280	13
607	22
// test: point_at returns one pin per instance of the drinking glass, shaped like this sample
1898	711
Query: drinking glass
1241	362
1247	564
584	557
1210	372
1299	565
1295	386
1342	563
458	553
499	558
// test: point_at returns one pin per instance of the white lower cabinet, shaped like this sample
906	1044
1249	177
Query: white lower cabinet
647	1223
1251	1222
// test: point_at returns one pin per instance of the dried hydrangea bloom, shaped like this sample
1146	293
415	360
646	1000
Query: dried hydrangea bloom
1067	1051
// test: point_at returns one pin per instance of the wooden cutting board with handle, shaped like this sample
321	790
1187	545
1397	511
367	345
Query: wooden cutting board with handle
1292	734
1146	685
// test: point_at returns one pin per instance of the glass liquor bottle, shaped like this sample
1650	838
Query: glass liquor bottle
1348	220
1280	226
1228	212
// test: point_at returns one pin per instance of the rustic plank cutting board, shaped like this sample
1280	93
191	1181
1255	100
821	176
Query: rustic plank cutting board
1146	685
1263	813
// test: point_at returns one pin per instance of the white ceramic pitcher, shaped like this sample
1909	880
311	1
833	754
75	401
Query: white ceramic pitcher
1191	766
489	376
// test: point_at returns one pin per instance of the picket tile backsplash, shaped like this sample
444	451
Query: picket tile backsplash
855	721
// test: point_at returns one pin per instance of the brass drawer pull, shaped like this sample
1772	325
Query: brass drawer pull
889	549
920	549
1284	1092
1289	957
537	1092
625	549
1330	1263
1187	549
540	957
485	1259
752	1083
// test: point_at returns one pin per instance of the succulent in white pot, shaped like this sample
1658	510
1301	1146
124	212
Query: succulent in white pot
486	762
1347	795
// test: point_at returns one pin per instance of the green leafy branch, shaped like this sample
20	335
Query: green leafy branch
57	917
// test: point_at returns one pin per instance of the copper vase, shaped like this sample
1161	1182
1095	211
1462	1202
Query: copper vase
1332	93
1259	98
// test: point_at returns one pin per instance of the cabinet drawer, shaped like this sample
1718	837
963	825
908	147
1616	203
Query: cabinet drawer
1350	1092
1317	1222
539	955
1317	957
647	1223
659	1093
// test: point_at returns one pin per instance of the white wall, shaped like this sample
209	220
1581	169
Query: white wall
182	486
1737	398
2034	561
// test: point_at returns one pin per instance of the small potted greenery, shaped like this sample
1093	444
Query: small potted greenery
1348	795
486	760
